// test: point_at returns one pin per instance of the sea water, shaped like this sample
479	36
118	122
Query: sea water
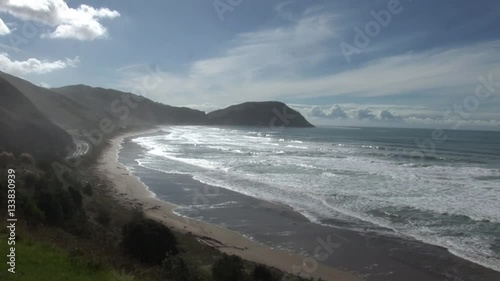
440	187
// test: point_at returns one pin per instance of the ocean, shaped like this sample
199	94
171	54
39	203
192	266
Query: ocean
439	187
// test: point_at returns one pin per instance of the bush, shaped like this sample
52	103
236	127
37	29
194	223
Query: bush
67	203
177	268
76	196
148	241
30	210
87	190
42	184
58	205
228	268
30	179
6	158
103	216
27	159
51	207
44	165
78	225
263	273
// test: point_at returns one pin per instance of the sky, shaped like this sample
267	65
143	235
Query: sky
394	63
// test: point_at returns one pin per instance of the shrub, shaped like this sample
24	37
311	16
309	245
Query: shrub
263	273
228	268
41	184
76	196
30	210
58	205
67	203
78	225
103	216
6	158
50	206
148	241
44	165
177	268
27	159
30	179
87	190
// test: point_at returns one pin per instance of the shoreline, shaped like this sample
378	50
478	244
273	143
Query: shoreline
362	255
129	191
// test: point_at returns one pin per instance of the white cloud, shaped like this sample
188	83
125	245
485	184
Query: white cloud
254	57
4	29
280	63
33	65
44	85
82	23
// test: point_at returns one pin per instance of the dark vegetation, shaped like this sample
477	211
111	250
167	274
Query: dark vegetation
229	268
149	241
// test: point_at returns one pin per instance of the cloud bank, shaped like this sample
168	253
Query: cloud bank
394	116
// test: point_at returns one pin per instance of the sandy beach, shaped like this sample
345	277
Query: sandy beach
129	191
269	233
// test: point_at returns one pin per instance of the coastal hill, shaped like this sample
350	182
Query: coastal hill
129	109
61	110
149	112
271	113
27	130
78	107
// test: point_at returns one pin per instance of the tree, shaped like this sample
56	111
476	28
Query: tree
76	196
30	179
228	268
50	206
87	190
177	268
263	273
6	158
148	241
27	159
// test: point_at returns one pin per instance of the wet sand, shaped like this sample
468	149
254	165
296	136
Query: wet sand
218	216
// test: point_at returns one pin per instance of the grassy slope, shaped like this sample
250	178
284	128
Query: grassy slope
37	261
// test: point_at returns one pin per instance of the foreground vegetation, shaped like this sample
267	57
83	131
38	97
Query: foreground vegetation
39	261
79	232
